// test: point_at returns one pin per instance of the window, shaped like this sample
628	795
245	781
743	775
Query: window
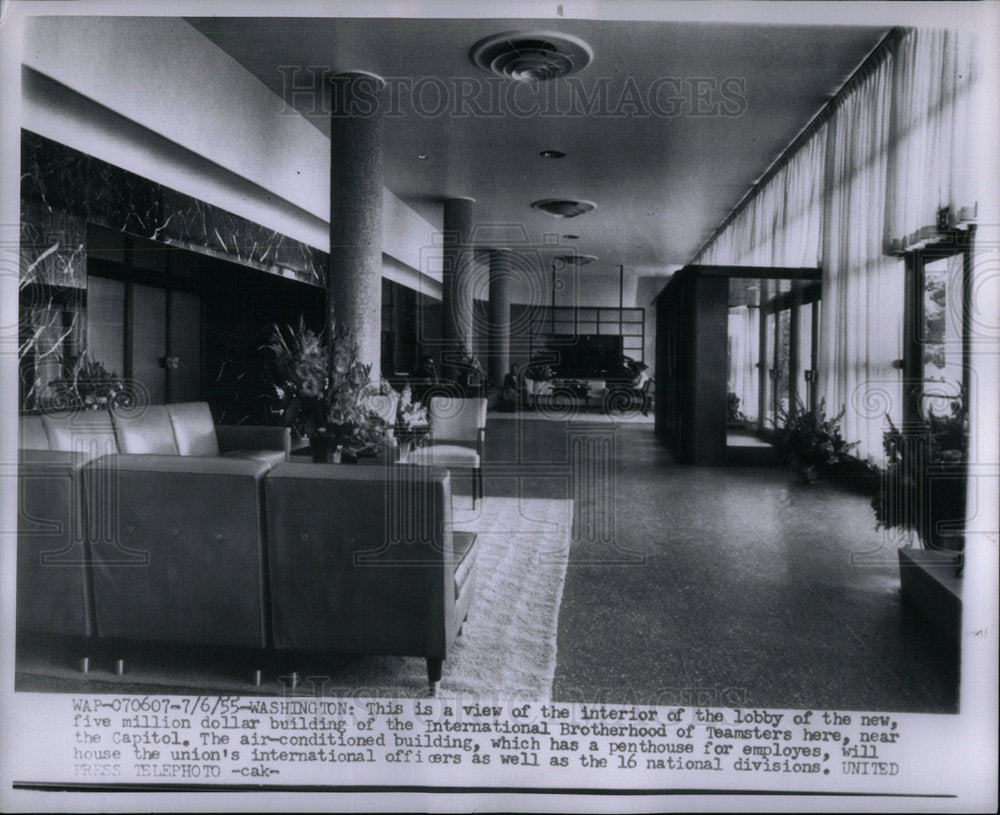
935	362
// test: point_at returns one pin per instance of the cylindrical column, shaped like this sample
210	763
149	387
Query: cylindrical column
354	285
456	282
501	274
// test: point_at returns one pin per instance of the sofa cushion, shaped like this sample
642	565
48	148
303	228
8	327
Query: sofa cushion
445	455
87	432
149	431
194	429
33	436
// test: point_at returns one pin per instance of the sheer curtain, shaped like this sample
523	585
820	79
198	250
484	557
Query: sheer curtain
744	342
862	306
892	167
931	179
781	224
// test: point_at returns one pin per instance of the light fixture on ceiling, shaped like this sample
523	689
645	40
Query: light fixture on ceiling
577	260
531	55
563	207
422	156
552	154
571	237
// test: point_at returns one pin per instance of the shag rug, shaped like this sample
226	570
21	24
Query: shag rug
507	649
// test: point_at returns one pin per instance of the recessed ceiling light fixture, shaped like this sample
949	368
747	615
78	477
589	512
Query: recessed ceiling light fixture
563	207
552	154
422	156
531	55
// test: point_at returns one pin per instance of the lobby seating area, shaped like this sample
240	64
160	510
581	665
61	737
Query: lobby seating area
150	525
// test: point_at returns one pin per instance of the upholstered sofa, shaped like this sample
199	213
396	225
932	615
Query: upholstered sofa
56	515
148	527
365	560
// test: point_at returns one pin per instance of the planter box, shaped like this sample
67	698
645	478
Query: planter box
929	582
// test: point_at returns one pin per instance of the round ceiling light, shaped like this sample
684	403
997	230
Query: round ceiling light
563	207
528	56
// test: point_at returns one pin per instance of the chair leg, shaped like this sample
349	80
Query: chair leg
434	667
479	478
254	668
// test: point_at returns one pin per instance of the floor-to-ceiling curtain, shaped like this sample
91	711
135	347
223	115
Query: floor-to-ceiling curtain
781	224
932	182
891	169
862	304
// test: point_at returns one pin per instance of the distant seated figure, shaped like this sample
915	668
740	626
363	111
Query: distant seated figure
626	368
426	369
513	385
640	384
425	375
470	377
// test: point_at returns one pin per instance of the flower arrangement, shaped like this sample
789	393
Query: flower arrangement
322	391
95	386
812	442
412	422
90	386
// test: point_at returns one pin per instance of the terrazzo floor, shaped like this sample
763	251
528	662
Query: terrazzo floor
718	586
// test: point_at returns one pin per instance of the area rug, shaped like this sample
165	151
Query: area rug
574	415
507	649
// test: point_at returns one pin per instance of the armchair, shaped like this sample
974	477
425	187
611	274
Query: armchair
458	427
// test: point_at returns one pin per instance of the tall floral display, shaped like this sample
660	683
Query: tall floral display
324	392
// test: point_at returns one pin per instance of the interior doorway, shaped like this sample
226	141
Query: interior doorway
772	334
145	317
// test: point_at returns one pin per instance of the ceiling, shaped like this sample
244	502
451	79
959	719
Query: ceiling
688	116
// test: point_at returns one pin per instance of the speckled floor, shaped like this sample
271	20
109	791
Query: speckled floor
718	586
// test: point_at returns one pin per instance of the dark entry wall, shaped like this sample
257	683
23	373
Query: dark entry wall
81	216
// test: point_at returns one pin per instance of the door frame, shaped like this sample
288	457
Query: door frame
127	272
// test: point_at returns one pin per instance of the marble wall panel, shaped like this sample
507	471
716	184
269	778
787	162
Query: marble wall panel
53	247
53	176
122	200
62	189
184	219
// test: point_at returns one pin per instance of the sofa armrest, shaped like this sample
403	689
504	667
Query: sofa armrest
254	437
375	556
52	573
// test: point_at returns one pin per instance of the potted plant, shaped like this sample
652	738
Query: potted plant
734	416
323	392
90	386
922	492
922	488
811	442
